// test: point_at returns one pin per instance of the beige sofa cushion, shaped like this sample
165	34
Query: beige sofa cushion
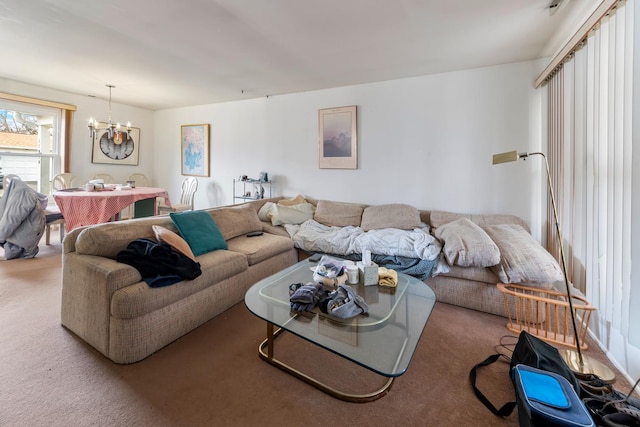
108	239
260	248
235	221
139	299
522	258
293	201
476	274
395	215
440	218
338	214
467	245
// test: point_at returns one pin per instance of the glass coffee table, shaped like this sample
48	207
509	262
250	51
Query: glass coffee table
382	341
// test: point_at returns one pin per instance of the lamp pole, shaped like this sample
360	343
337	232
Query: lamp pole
562	258
591	366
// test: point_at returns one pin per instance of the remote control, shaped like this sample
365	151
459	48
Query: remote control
315	258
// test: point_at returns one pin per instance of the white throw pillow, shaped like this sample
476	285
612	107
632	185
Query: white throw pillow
264	211
295	214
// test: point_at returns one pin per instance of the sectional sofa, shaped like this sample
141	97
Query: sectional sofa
107	304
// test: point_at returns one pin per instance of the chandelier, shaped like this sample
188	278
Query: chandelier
94	125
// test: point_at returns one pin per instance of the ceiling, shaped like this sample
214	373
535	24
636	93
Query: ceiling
165	53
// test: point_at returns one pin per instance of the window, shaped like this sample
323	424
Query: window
30	143
590	145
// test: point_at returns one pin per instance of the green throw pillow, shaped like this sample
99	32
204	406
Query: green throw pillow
199	230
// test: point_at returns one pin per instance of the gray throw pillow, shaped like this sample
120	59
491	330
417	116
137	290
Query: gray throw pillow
522	258
467	245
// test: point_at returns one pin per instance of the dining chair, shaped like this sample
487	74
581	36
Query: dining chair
53	217
65	180
105	177
189	188
140	179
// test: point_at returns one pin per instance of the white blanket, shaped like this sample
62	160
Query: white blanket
315	237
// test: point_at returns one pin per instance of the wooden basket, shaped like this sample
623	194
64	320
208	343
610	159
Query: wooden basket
545	314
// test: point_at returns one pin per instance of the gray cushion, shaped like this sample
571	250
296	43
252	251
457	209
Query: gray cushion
522	258
467	245
395	215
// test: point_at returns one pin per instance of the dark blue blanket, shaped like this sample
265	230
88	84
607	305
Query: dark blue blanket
416	267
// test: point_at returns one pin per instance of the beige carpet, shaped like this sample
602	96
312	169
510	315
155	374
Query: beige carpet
213	376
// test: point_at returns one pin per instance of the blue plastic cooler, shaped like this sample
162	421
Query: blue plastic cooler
547	399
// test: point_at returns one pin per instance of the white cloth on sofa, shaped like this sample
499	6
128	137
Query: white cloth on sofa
315	237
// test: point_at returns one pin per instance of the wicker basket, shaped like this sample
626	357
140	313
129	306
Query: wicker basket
545	314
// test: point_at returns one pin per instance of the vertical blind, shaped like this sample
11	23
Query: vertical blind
589	105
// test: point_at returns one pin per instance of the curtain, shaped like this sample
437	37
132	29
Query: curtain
589	106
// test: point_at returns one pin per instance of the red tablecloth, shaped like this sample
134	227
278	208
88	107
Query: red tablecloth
93	207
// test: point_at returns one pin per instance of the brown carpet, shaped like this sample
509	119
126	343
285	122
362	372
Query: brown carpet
213	376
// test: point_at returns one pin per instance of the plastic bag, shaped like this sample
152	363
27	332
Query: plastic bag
330	271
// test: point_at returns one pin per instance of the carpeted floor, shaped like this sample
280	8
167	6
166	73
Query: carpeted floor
213	376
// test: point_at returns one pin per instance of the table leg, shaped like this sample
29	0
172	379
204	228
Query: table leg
269	343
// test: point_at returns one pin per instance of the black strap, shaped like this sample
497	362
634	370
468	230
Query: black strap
508	407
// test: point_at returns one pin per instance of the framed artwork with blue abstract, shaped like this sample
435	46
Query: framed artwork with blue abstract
194	149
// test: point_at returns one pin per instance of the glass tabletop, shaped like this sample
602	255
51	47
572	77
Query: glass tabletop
383	340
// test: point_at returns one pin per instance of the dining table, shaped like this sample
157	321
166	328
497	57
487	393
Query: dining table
80	207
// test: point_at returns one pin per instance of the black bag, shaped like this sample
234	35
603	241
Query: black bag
530	351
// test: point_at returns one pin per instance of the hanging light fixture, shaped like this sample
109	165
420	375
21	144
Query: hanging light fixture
112	130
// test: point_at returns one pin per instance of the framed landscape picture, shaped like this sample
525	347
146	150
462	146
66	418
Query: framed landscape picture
337	141
122	149
194	149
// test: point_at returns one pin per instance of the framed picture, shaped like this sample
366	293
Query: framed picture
122	149
194	149
337	142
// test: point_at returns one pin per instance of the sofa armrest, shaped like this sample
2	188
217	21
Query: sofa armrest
88	283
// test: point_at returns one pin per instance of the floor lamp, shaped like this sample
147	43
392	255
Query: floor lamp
577	362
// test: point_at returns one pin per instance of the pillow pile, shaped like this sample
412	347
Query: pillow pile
199	230
287	211
296	214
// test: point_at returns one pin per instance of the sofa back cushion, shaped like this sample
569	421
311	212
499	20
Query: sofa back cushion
338	214
395	215
234	221
108	239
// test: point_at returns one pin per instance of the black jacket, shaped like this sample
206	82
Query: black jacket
158	263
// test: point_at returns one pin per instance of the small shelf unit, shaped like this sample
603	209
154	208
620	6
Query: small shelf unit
250	189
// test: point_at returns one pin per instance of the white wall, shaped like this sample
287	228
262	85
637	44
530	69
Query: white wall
427	141
97	108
